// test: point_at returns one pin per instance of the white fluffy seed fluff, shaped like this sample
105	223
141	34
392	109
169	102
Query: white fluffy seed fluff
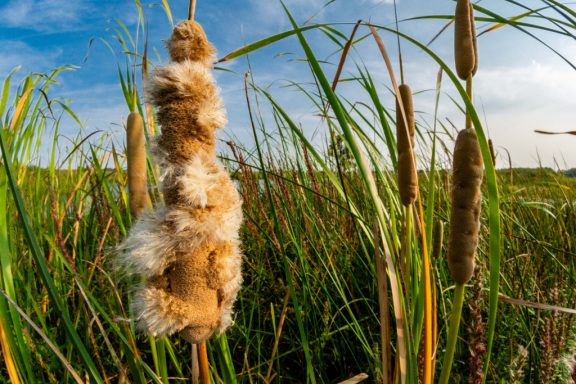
188	251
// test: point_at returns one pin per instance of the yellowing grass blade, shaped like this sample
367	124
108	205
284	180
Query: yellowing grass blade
19	108
168	11
7	353
511	20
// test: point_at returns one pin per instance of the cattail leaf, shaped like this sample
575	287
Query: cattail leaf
265	42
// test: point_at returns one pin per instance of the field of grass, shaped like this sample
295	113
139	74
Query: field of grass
339	277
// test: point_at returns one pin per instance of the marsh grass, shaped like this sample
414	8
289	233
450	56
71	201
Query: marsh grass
309	310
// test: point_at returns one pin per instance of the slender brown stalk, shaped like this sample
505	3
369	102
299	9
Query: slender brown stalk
195	365
382	280
492	153
356	379
191	9
147	106
469	93
344	55
278	333
203	360
345	51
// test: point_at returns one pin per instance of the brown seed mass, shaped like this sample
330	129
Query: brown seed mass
407	175
465	46
467	173
189	42
136	155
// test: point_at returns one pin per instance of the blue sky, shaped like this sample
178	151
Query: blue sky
520	85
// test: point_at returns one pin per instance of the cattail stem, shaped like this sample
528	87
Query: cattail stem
455	317
162	367
195	365
382	283
469	93
407	251
203	362
398	42
191	9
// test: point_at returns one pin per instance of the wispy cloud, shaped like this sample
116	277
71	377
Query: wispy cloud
44	15
17	53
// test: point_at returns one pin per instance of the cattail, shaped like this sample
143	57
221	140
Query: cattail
465	49
188	249
407	176
467	172
438	236
136	154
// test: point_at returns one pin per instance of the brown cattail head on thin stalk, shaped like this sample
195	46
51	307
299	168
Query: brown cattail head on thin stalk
188	250
136	154
465	48
407	176
467	172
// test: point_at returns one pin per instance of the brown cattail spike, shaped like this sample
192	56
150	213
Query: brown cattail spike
465	48
136	153
467	172
407	176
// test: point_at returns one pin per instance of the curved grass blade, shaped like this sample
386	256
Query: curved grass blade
46	339
264	42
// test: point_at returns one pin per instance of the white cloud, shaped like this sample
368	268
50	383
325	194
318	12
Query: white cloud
528	87
380	2
44	15
17	53
523	98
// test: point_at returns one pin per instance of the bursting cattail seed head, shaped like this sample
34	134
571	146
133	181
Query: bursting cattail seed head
465	47
189	42
188	250
467	173
407	176
136	154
